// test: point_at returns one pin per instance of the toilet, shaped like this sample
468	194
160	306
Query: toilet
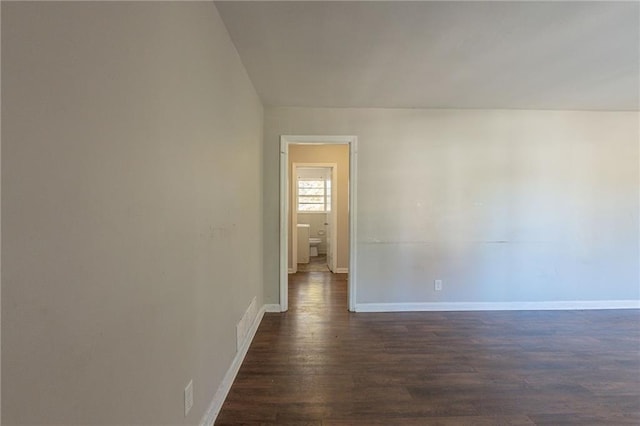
313	246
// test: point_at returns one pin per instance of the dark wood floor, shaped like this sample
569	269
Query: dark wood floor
321	365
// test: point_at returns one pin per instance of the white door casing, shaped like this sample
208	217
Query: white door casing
332	223
285	197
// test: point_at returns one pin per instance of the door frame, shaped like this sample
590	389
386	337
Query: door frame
294	213
285	141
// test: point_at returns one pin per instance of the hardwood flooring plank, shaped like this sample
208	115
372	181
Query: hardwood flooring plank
438	421
318	364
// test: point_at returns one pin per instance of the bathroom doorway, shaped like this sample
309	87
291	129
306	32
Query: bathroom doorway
314	212
317	202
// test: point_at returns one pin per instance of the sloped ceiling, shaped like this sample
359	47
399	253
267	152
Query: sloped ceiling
524	55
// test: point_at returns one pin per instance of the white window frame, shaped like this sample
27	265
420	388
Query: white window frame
327	196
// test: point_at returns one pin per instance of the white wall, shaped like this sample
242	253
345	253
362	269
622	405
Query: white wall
504	206
131	197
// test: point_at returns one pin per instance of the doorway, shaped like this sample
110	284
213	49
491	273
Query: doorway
314	216
289	207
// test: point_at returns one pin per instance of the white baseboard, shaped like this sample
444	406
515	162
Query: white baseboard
221	394
272	308
498	306
291	271
342	270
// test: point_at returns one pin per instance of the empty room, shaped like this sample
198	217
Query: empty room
320	213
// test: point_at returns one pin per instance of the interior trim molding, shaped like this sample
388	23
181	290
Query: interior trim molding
499	306
274	307
291	271
285	141
225	386
342	270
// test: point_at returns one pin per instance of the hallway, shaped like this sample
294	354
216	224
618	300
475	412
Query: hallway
318	364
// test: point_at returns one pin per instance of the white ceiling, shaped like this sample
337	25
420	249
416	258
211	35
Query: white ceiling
533	55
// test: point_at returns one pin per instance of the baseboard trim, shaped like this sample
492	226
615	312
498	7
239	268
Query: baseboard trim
221	394
291	271
342	270
272	308
499	306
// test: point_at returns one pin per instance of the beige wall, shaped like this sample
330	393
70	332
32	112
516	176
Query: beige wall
504	206
338	154
131	197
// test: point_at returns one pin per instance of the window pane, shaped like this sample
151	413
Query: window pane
311	207
311	195
310	200
311	191
311	184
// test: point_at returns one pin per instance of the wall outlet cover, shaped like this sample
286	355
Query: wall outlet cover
437	285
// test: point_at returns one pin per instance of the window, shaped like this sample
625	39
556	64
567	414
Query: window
314	195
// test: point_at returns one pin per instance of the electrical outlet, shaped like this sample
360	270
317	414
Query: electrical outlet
437	285
188	397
